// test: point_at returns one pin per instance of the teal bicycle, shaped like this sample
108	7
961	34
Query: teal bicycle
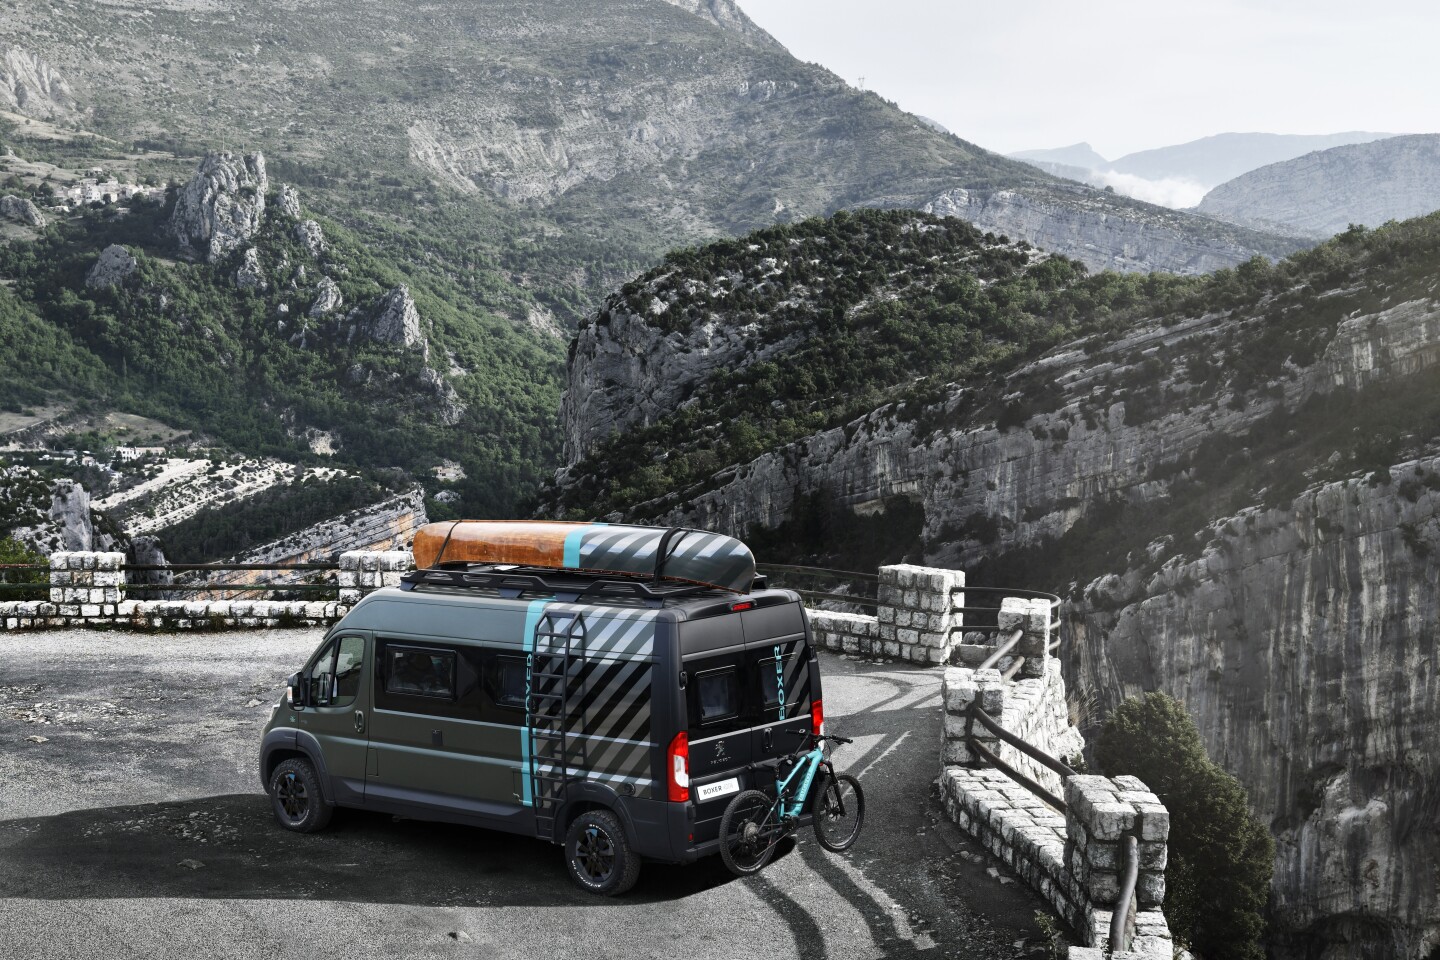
755	821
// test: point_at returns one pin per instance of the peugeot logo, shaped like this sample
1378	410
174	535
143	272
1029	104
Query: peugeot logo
719	749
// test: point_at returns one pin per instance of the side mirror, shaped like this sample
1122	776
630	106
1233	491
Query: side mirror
296	683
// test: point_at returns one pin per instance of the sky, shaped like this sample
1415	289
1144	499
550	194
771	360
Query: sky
1128	75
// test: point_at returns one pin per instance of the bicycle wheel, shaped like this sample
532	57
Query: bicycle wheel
839	809
748	833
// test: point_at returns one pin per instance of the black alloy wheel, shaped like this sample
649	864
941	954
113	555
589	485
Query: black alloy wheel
598	855
296	799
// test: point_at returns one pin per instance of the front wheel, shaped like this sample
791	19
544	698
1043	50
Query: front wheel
296	798
748	833
839	810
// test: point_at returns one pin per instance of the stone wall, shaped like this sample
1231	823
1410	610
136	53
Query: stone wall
1066	846
917	617
87	589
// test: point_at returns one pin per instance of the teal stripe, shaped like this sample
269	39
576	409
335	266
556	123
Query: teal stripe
533	612
572	543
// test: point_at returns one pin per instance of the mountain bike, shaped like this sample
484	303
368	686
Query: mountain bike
755	821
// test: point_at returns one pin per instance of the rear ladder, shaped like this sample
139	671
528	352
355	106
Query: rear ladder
554	719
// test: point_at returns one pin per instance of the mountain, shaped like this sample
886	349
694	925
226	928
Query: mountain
1322	193
629	125
1234	479
1080	155
1211	161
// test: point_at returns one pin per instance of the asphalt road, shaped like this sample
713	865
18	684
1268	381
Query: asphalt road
138	828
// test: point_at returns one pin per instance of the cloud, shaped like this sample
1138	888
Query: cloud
1177	192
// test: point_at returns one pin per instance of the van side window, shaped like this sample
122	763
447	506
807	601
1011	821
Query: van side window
718	695
507	682
420	672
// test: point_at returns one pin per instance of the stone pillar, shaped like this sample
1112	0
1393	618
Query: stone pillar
1032	617
1102	811
964	689
917	612
85	584
365	571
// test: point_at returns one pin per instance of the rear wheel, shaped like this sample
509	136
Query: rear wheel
748	833
296	798
598	855
839	809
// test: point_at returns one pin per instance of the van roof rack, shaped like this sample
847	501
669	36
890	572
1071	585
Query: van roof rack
568	586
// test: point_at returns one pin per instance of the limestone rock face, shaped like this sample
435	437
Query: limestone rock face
1301	638
28	85
727	15
311	237
1148	241
23	210
327	298
251	276
53	519
1322	193
397	321
626	372
448	407
287	202
222	206
114	266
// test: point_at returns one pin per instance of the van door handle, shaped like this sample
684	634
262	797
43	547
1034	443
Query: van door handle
767	740
359	721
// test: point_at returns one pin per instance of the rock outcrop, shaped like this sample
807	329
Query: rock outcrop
287	202
30	86
114	266
23	210
448	407
46	516
310	236
1322	193
396	321
251	276
222	206
727	15
328	298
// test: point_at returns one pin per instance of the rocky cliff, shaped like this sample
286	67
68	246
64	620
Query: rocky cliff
31	86
1240	490
222	206
1322	193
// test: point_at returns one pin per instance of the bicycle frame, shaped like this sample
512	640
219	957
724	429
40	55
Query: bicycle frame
810	764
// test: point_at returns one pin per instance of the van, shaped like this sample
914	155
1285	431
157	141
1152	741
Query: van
610	713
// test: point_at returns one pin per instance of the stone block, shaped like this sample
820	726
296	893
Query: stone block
956	752
850	645
1111	820
1103	856
1150	888
958	689
1154	822
1154	856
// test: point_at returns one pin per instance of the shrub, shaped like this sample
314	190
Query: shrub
13	551
1221	857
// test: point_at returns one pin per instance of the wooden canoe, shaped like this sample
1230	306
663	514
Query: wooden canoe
694	556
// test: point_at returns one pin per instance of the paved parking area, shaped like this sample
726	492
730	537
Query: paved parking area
136	827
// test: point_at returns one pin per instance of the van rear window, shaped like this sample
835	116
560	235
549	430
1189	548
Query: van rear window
719	695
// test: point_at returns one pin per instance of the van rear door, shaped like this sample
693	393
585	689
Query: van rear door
783	675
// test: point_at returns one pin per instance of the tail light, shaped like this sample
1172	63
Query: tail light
817	718
678	765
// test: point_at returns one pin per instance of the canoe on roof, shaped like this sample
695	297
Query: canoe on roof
694	556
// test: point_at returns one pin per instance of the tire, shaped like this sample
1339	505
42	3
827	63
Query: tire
839	809
598	856
747	841
296	799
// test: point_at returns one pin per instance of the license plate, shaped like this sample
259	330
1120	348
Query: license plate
721	789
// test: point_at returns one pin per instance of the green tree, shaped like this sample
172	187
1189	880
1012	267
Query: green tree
1220	857
12	551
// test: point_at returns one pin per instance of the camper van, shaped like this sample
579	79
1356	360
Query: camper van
612	698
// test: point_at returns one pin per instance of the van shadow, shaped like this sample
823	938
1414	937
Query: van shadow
230	847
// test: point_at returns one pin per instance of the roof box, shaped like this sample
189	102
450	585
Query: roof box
675	553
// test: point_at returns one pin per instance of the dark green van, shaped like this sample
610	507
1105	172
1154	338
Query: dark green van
612	715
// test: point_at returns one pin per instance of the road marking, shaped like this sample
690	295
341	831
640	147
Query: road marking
888	750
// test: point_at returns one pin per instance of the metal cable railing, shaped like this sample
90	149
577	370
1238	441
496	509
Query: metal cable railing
1039	756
